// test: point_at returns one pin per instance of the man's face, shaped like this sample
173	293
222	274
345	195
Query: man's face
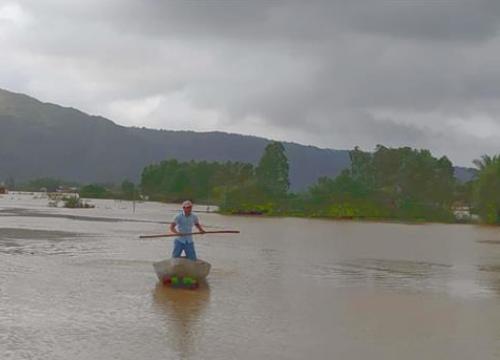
187	210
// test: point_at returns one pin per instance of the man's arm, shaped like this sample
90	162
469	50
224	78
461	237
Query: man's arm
198	225
172	228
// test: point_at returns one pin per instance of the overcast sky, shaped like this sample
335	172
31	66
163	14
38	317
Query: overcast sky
328	73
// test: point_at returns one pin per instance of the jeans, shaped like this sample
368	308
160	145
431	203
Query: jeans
187	247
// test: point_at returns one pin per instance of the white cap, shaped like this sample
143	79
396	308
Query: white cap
187	203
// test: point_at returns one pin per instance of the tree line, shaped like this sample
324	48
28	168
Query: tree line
388	183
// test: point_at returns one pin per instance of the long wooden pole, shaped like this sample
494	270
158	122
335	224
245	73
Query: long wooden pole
193	233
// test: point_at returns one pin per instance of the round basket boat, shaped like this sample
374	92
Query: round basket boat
181	267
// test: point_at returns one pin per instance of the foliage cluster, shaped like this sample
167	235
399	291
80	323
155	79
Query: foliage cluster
74	202
486	189
388	183
175	181
400	183
126	191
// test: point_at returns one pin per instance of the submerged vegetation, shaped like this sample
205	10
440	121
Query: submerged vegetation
74	202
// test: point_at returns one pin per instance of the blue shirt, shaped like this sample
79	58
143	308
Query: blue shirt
184	225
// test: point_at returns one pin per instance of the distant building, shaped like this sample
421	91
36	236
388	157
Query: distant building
67	190
3	190
461	211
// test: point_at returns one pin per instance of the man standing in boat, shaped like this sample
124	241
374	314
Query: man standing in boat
183	224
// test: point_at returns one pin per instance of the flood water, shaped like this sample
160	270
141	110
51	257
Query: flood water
79	284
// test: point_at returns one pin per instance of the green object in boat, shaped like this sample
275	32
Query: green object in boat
188	281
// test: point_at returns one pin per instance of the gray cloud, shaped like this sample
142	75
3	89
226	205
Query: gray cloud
330	73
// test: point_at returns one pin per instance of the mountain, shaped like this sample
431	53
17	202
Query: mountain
464	174
45	140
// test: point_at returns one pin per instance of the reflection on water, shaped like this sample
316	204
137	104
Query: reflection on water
182	310
492	242
380	268
403	274
282	289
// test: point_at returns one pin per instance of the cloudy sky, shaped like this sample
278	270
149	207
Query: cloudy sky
334	74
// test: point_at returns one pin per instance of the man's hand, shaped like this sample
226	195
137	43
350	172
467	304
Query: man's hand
173	229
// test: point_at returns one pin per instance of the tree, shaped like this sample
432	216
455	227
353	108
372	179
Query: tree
272	171
362	167
484	162
342	188
487	189
94	191
464	193
171	180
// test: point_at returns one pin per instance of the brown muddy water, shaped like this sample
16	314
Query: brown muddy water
79	284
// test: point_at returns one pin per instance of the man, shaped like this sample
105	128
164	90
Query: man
183	224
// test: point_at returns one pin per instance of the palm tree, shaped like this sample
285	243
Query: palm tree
487	188
486	161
